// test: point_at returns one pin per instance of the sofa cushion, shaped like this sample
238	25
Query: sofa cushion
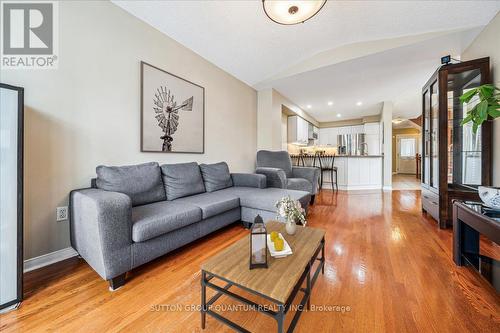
213	203
142	182
216	176
153	220
182	179
265	198
300	184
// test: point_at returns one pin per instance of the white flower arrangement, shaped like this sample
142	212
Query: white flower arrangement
291	210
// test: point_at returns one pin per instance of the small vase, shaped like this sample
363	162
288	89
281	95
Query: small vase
290	227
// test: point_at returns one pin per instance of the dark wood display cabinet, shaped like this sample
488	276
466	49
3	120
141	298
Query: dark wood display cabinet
454	159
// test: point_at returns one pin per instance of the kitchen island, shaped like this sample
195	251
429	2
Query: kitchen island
354	172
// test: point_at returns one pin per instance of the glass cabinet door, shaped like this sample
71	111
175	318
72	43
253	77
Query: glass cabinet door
434	134
426	170
464	146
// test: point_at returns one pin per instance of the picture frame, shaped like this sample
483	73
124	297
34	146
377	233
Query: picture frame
172	113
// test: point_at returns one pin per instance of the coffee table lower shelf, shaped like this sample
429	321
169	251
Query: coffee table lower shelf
279	315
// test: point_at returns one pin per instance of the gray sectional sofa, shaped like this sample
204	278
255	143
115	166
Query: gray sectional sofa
134	214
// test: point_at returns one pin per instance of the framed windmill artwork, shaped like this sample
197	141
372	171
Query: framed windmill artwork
172	113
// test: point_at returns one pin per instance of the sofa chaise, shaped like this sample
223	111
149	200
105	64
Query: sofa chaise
134	214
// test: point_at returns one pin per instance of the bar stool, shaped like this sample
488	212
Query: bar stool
308	160
300	159
295	159
326	165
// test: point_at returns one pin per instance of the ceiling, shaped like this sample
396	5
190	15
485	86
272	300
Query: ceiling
405	124
369	51
395	75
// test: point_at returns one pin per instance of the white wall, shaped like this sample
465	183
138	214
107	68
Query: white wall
284	131
87	112
487	44
269	118
268	122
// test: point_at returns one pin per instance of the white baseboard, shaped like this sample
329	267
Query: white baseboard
49	258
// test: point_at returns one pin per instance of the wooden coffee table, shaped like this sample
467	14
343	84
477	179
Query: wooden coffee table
279	283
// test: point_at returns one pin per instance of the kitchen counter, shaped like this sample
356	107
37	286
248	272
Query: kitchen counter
359	172
354	172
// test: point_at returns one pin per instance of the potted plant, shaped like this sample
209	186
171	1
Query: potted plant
292	212
488	105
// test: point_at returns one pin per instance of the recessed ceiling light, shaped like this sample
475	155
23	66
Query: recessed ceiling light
359	103
309	106
330	103
339	115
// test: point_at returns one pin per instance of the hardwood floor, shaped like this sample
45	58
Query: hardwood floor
387	264
405	182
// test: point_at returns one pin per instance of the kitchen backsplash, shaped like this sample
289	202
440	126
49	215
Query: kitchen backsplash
295	149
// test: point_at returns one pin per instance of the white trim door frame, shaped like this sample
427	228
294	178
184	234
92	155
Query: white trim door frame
406	165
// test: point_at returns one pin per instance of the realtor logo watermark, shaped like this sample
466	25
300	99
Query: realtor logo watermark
29	31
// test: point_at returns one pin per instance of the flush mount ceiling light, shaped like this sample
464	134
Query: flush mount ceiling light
309	106
330	103
291	12
397	121
359	103
339	115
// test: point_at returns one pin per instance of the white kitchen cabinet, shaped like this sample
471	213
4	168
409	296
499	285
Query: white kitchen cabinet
356	173
364	171
298	130
373	144
359	173
303	127
371	128
340	163
344	130
353	171
372	138
333	132
358	129
323	136
328	136
375	171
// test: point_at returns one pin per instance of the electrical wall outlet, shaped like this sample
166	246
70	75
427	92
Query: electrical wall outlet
61	213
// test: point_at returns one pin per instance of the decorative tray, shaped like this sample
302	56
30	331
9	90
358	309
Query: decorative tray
287	250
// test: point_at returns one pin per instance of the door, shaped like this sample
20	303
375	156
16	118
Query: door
407	147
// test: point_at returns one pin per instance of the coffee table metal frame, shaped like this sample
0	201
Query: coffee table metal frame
279	315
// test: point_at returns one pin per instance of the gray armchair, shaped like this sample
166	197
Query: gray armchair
278	169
